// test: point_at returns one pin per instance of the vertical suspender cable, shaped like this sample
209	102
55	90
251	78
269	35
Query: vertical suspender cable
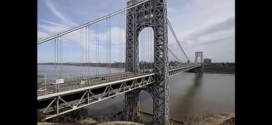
61	42
107	45
57	61
84	50
97	49
96	60
140	39
124	39
58	56
61	55
152	42
61	64
80	45
81	53
119	45
55	55
57	64
88	50
110	43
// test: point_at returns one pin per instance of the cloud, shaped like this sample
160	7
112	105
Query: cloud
200	25
211	32
209	37
225	25
42	34
57	13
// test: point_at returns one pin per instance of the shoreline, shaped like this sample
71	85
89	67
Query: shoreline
219	118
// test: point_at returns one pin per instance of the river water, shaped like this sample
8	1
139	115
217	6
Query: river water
191	94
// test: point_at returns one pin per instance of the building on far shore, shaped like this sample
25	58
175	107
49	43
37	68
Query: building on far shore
207	61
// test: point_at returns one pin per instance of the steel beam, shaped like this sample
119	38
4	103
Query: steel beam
63	106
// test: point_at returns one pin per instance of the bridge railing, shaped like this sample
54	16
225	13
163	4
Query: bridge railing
90	82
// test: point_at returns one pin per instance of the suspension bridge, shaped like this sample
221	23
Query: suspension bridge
144	55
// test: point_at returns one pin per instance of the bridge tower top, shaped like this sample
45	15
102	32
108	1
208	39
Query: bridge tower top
199	54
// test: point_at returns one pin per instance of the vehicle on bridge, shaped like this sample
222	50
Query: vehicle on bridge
57	81
83	81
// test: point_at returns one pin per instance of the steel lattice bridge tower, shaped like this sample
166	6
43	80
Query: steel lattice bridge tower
150	14
140	14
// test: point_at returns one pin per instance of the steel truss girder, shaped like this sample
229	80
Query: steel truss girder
150	14
88	97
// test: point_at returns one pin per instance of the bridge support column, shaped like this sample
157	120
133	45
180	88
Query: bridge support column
131	112
161	65
149	14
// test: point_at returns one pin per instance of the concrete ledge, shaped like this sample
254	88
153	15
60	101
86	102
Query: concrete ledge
88	121
120	123
48	123
92	122
218	119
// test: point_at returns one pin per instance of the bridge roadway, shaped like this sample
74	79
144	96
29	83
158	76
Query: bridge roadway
73	83
71	96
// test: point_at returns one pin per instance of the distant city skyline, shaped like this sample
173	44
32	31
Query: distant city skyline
200	25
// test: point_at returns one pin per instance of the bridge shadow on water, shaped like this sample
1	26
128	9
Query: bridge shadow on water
184	103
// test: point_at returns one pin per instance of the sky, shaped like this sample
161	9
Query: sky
200	25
